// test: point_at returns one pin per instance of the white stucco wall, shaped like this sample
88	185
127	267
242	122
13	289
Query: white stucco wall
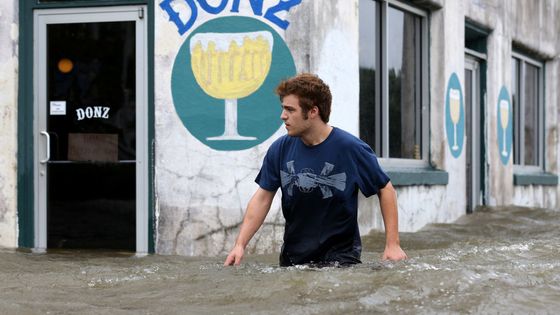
8	123
536	196
201	193
531	26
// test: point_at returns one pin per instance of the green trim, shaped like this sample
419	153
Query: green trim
151	141
39	4
482	109
25	192
545	179
420	176
543	140
476	36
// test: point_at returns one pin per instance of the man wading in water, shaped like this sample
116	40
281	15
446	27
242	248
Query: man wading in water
319	169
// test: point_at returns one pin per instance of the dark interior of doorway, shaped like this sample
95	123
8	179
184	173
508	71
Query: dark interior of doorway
91	174
97	212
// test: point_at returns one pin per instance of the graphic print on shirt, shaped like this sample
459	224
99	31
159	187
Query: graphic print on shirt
306	180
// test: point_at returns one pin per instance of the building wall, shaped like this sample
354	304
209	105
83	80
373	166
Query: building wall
8	123
532	26
202	193
201	203
202	187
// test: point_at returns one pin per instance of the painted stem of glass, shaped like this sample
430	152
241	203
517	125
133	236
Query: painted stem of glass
504	151
455	146
230	124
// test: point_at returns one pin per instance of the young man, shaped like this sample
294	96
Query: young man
319	169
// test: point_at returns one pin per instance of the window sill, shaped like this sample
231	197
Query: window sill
537	178
417	176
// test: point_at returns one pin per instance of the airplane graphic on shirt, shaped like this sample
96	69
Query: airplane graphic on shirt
306	180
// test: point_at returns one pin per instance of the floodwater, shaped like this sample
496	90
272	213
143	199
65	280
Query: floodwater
504	261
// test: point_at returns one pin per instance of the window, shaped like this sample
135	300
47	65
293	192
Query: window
393	80
527	99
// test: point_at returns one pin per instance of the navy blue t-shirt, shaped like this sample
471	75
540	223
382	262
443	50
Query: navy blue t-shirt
320	195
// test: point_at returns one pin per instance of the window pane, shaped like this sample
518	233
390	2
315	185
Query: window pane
91	67
531	101
515	110
404	84
368	64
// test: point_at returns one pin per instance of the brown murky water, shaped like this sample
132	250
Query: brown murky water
494	261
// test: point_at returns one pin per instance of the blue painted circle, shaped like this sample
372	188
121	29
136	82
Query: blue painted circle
504	134
455	132
258	115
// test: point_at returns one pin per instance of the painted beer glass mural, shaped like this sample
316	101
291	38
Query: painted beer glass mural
454	116
223	82
504	125
231	66
455	111
504	121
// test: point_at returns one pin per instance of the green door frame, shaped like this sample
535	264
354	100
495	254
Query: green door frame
25	190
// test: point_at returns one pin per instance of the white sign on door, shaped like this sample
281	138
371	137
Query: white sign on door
58	108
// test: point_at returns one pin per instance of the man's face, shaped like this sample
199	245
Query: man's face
294	119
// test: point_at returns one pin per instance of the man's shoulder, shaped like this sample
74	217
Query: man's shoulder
281	142
347	139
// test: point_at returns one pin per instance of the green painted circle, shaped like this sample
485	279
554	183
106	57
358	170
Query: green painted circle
258	115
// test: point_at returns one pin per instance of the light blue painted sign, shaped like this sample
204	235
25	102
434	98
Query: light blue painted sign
454	116
505	125
223	82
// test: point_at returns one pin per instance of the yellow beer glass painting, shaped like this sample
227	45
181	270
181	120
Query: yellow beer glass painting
231	66
504	121
455	112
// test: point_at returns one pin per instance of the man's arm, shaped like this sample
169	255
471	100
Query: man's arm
388	202
257	209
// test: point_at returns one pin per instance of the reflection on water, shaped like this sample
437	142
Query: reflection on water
494	261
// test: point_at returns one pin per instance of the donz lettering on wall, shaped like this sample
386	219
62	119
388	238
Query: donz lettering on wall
92	112
184	23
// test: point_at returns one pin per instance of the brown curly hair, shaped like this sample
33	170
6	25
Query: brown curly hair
310	90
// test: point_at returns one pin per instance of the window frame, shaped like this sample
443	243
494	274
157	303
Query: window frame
519	140
382	87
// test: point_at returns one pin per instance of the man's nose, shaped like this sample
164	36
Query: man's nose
283	115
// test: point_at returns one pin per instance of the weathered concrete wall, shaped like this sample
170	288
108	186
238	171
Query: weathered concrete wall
535	196
8	123
530	25
509	22
555	115
446	51
201	192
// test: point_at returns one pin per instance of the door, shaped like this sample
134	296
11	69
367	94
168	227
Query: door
90	132
474	134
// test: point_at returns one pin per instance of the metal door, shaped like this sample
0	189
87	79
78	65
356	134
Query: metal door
90	128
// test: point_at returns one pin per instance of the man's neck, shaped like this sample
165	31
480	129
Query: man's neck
317	135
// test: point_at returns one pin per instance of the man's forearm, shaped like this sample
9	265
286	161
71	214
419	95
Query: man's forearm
257	209
389	211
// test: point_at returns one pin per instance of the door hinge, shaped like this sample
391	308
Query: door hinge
141	13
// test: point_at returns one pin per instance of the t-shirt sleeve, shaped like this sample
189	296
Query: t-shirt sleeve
371	178
269	175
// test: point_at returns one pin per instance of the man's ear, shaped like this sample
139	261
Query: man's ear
313	112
